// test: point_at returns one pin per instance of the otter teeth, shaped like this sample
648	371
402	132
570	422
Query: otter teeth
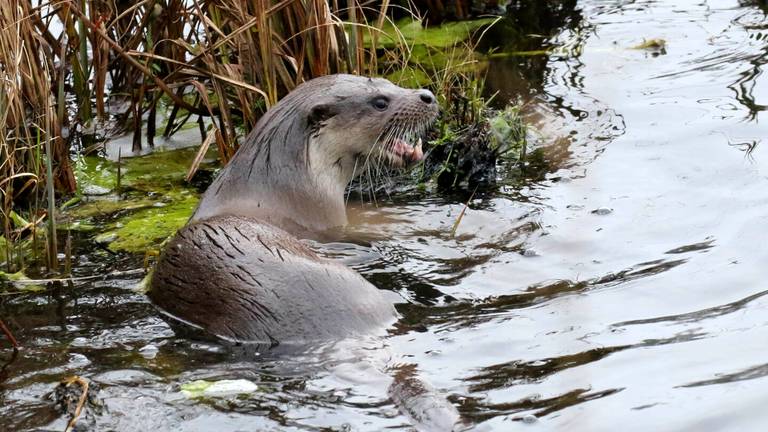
418	153
407	151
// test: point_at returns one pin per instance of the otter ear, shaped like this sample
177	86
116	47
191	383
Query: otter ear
320	113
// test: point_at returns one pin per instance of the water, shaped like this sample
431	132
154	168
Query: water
622	288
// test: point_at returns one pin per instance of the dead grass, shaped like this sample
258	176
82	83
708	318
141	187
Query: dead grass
220	63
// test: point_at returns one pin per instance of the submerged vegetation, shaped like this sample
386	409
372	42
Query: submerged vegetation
75	74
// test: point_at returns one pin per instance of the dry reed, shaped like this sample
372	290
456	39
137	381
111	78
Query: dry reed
218	62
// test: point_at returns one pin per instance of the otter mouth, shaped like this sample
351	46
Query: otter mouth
401	153
401	144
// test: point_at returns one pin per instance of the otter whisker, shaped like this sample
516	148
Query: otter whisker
349	191
370	191
402	129
367	163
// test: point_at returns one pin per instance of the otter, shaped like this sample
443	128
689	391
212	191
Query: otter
238	269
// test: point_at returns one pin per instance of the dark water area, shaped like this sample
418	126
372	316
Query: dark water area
622	288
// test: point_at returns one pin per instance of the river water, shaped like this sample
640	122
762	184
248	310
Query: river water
620	290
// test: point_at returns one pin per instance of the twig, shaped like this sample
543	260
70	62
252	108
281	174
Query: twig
9	335
80	403
461	215
199	157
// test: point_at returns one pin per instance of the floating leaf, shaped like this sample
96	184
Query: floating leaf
203	388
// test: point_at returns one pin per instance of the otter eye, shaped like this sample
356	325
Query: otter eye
380	103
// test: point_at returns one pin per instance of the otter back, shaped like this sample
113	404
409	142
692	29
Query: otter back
246	280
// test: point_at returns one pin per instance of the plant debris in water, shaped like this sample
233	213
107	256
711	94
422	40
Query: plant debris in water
221	388
74	396
467	155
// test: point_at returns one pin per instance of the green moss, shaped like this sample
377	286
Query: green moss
149	173
154	203
20	251
107	207
157	170
12	277
76	226
147	229
437	59
20	281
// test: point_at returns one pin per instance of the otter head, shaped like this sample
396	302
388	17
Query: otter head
304	151
356	122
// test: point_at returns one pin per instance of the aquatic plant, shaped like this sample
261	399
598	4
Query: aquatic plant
472	138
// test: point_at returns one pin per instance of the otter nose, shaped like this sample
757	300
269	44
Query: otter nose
426	96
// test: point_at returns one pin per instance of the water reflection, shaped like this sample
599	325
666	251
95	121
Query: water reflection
468	314
540	407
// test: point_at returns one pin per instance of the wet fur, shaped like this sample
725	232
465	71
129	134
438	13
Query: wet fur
245	280
237	269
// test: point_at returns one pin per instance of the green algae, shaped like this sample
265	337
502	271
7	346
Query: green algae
147	229
431	48
410	77
95	171
155	200
106	207
79	226
458	58
14	255
20	281
145	173
411	32
157	170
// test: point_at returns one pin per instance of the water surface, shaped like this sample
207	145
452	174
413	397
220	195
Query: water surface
623	288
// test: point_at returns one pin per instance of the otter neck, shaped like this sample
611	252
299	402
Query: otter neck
299	189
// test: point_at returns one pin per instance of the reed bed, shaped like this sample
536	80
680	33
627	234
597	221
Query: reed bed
68	68
65	65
